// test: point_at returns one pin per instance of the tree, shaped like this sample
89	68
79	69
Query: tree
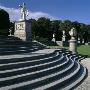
44	27
66	26
76	25
86	35
55	29
4	22
34	28
82	31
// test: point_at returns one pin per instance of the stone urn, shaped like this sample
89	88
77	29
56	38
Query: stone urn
73	42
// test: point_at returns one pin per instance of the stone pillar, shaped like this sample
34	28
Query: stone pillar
23	30
73	46
73	41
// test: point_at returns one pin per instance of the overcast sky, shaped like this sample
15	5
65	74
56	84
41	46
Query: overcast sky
74	10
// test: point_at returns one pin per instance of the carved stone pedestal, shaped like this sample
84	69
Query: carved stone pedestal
73	41
73	46
23	30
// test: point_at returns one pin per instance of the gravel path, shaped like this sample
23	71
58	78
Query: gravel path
86	84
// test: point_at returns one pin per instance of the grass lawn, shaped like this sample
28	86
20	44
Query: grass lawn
84	50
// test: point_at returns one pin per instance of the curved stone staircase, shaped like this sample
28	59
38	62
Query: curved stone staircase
29	66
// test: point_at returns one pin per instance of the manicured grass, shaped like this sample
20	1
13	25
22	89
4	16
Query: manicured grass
84	50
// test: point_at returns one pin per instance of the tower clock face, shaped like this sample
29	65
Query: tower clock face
20	26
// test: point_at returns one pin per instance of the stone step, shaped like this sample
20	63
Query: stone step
59	79
19	47
41	81
17	44
17	51
13	43
37	74
34	68
29	57
61	67
76	57
28	63
24	67
72	82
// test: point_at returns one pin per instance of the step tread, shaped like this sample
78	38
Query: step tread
23	68
39	79
23	62
13	77
68	87
58	81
